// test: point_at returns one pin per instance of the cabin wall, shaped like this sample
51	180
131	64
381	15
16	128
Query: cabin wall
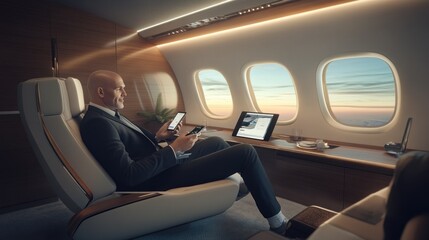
395	29
85	43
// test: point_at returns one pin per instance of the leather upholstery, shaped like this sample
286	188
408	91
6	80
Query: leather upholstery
51	109
399	211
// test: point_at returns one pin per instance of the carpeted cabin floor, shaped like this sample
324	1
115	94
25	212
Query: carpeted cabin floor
49	221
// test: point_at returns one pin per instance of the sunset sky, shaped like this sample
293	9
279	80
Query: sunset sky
360	90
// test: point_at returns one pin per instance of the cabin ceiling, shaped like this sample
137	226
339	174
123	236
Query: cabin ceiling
139	14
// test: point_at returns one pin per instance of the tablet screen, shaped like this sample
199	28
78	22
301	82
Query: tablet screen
255	125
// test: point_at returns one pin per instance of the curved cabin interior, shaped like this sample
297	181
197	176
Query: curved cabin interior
350	73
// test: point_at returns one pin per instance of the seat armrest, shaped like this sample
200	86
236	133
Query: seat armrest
106	205
358	221
145	212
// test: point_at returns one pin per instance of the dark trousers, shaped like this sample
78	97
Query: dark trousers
213	159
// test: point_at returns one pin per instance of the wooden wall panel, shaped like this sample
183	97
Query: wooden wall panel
308	182
25	47
25	54
85	43
359	184
330	180
21	178
311	181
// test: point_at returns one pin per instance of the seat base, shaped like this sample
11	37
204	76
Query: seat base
307	221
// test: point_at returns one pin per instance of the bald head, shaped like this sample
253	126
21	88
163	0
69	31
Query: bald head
106	88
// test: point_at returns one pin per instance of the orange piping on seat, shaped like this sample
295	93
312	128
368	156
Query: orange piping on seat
59	153
104	206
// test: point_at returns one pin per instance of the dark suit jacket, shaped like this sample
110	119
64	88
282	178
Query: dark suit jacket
127	155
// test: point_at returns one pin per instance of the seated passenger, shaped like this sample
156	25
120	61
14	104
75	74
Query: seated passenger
133	158
408	198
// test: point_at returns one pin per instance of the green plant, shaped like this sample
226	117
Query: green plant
160	114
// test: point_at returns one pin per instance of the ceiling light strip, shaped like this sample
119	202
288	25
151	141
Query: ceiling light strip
184	15
263	23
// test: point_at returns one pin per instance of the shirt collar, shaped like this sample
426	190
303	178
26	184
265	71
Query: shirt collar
107	110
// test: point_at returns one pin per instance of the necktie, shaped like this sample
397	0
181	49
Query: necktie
131	125
126	122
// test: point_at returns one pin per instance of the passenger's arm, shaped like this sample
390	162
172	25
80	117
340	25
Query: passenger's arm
127	169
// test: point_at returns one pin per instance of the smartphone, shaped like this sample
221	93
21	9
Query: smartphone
196	130
176	120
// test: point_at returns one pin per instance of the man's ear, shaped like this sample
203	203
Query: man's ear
100	92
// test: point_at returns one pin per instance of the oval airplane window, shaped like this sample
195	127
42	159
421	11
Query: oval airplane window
214	93
358	92
158	88
272	89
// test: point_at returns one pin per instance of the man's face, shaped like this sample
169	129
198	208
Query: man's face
113	93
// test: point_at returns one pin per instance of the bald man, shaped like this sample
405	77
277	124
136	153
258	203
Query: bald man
133	158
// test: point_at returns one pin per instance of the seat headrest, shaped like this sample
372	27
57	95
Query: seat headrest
52	96
76	99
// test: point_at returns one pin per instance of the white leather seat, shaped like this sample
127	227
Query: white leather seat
405	199
362	220
51	109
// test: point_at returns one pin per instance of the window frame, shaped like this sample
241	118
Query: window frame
324	99
203	103
148	86
251	94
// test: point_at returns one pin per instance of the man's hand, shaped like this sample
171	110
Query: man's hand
163	133
184	143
